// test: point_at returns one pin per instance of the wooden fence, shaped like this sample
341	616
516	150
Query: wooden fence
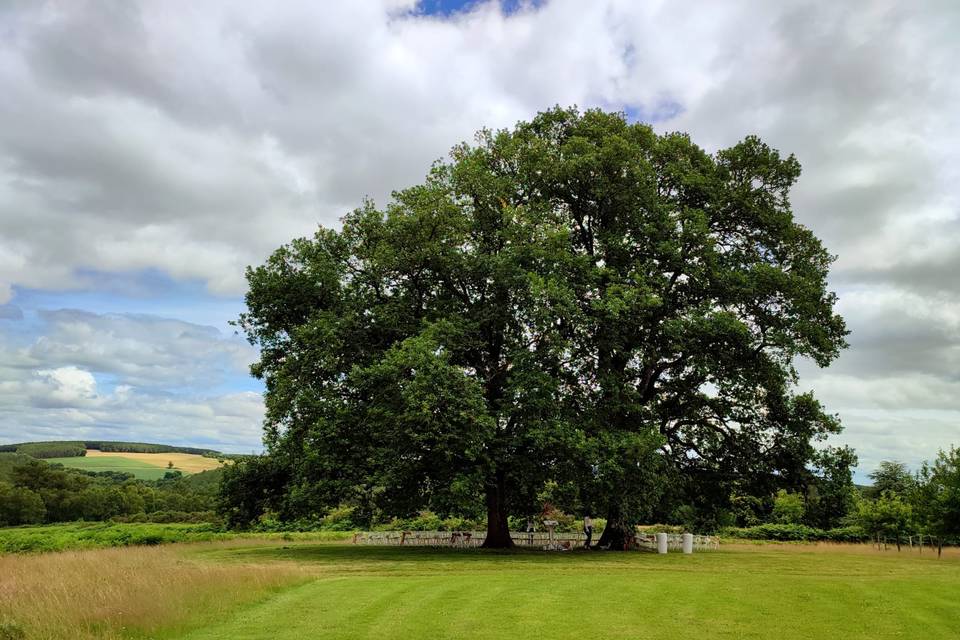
537	539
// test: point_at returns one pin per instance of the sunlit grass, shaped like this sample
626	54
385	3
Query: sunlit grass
293	590
786	591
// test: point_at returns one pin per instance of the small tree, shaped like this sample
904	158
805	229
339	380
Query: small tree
832	496
937	497
887	516
19	505
892	476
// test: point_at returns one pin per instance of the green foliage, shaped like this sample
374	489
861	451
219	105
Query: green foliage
52	449
787	508
255	486
748	511
144	447
832	495
887	516
936	497
797	533
37	492
892	477
9	461
428	521
92	535
168	517
19	506
577	300
63	449
339	519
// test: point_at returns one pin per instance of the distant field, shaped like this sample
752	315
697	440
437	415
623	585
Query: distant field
146	466
186	462
139	469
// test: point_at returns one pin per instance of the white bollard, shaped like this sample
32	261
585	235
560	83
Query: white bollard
688	543
661	543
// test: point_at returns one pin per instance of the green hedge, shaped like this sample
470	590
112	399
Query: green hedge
796	533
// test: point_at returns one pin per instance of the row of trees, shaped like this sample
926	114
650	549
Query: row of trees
65	449
577	303
923	504
898	506
34	492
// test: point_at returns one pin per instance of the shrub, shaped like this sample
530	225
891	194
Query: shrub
796	533
776	531
662	528
847	534
100	534
339	519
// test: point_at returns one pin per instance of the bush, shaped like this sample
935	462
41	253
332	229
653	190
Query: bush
776	531
166	517
662	528
338	519
101	534
19	506
795	533
847	534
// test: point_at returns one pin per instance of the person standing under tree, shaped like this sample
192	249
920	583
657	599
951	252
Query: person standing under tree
587	530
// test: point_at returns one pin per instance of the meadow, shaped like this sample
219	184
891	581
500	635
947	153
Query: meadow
288	589
145	466
96	535
140	470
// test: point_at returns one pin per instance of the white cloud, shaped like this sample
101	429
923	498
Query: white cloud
194	141
128	377
65	387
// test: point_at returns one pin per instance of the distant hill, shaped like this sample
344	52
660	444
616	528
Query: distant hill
73	448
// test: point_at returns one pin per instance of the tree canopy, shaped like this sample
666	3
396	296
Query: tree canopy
578	300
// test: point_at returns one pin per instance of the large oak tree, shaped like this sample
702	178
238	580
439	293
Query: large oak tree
577	300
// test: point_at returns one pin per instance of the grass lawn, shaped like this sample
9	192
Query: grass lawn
140	469
243	588
741	592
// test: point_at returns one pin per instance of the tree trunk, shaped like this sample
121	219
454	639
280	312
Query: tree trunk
498	530
939	547
616	534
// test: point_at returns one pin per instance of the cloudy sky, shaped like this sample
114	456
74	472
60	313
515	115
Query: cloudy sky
149	151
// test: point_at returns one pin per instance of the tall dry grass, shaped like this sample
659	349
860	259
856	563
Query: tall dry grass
123	592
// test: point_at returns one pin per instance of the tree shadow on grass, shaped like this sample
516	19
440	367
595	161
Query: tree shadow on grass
391	555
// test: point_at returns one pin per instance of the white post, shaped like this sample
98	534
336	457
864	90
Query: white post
688	543
661	543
